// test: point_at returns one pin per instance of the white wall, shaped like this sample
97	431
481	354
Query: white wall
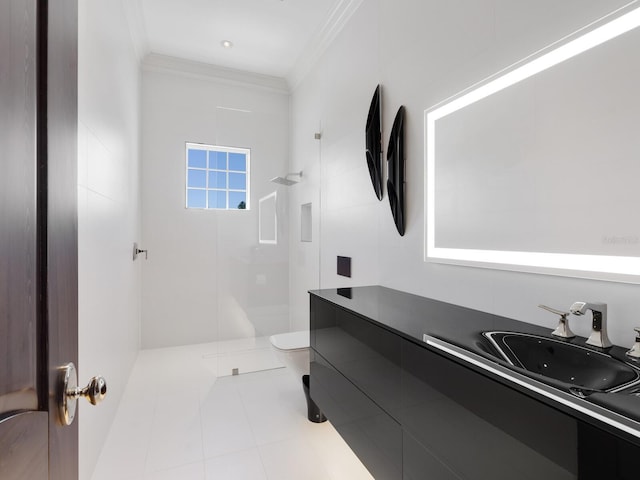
207	278
108	214
421	52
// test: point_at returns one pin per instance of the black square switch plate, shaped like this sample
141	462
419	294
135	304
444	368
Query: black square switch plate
344	266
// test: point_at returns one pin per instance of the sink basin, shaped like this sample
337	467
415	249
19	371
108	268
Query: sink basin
563	361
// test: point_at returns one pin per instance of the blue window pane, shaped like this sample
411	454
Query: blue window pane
238	162
197	178
197	158
196	198
238	200
217	199
237	181
217	179
218	160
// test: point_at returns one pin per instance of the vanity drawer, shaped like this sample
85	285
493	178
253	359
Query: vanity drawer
370	432
419	463
368	355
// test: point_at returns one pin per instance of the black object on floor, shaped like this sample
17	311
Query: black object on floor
313	411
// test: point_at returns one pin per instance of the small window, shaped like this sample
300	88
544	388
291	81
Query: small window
217	177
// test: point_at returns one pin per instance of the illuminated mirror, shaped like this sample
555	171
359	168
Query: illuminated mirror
537	168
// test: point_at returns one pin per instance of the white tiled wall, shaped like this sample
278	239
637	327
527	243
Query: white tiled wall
108	214
421	53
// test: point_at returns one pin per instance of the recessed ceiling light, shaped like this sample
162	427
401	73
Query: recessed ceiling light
226	43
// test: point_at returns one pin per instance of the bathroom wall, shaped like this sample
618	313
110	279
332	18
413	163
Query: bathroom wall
108	213
207	277
421	53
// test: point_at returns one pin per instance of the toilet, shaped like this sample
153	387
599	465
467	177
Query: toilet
293	351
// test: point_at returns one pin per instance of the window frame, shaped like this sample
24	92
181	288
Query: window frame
206	189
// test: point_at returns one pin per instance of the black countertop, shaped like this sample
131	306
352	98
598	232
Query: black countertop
412	316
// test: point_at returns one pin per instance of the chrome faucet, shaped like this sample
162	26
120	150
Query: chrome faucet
598	337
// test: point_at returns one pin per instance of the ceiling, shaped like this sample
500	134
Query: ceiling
270	37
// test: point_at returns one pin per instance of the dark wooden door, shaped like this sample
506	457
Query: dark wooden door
38	235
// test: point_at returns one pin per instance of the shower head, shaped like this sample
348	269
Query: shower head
285	180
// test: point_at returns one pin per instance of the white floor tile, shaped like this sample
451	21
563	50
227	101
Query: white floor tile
245	465
225	427
194	471
121	459
337	457
179	420
242	344
125	451
292	459
176	437
276	409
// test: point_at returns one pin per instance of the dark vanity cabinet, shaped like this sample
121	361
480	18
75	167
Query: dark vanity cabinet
410	412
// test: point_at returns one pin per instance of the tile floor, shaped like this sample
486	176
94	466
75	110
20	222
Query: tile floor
179	418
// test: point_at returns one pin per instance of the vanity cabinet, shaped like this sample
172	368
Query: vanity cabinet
410	412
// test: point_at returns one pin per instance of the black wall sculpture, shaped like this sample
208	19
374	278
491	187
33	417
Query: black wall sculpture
373	136
395	167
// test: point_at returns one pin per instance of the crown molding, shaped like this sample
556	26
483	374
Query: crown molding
137	29
154	62
335	22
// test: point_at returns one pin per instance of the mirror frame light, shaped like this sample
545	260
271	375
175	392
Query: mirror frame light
613	268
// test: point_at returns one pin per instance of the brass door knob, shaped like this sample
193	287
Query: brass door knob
69	392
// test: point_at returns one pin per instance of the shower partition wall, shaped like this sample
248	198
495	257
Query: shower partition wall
253	285
252	278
